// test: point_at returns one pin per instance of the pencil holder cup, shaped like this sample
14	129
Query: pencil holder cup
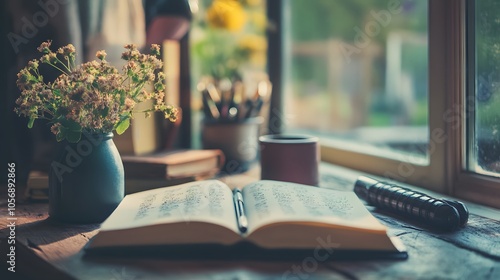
237	140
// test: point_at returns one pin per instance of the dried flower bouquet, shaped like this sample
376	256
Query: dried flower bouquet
94	97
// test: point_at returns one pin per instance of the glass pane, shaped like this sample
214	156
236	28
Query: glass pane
487	81
357	70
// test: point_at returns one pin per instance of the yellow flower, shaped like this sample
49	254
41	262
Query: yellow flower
253	2
226	14
255	46
253	43
259	20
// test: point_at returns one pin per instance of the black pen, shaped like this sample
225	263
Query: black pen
256	108
258	100
241	218
249	107
442	213
239	100
232	112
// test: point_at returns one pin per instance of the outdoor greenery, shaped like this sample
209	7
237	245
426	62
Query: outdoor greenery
488	64
324	20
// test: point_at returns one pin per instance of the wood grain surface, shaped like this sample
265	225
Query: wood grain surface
49	250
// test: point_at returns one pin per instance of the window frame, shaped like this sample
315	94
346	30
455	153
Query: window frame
470	185
448	117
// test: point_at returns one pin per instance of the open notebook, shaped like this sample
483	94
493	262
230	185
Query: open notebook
281	216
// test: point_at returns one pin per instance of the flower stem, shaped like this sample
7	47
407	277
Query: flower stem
67	68
53	65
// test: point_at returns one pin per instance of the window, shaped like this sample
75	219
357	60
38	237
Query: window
403	102
356	72
485	82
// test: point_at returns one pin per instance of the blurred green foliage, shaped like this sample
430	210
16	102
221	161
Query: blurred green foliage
487	33
323	20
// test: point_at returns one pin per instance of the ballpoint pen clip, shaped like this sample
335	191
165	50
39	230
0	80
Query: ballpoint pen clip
240	212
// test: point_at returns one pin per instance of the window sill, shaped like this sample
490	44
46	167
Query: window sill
342	178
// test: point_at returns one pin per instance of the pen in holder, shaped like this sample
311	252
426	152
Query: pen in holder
232	120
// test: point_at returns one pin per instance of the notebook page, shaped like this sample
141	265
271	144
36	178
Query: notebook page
205	201
269	202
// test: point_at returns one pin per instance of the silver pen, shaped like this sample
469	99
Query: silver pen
241	218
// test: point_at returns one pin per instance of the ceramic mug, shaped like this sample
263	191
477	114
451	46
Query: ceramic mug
290	158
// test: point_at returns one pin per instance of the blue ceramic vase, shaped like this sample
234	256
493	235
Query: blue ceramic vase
86	180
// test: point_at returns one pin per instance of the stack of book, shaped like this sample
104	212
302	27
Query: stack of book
149	171
170	168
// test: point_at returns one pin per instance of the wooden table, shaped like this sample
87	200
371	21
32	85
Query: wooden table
48	250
